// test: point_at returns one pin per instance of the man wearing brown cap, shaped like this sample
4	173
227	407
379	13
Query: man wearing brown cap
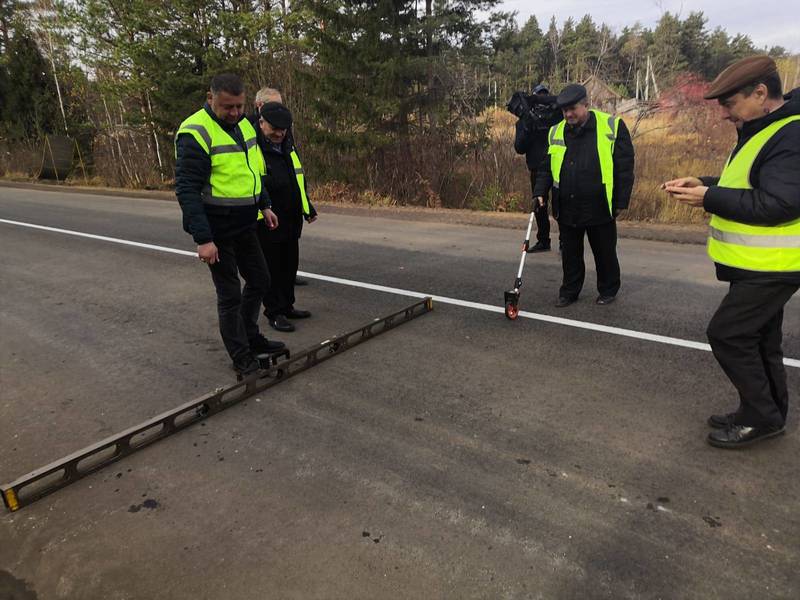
589	166
754	242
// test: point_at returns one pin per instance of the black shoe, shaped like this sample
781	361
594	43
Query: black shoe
741	436
293	313
721	421
564	301
539	247
261	345
279	323
246	365
300	281
603	300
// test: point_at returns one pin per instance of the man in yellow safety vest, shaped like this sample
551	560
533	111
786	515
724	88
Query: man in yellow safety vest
754	242
286	183
218	182
589	166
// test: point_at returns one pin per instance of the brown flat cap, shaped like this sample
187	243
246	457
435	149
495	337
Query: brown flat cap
740	74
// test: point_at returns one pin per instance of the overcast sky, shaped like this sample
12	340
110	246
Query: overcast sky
767	22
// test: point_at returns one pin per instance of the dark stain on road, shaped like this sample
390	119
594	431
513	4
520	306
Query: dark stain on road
12	588
712	521
523	461
366	534
149	504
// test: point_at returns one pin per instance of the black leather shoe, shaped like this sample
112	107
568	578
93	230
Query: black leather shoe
603	300
539	247
741	436
245	365
300	281
261	345
293	313
721	421
564	301
279	323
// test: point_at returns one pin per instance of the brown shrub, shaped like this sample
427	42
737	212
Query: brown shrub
20	159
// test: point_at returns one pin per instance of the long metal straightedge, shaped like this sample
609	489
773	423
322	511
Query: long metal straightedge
58	474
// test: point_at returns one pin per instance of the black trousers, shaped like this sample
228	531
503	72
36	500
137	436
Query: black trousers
542	217
603	240
237	308
745	335
282	260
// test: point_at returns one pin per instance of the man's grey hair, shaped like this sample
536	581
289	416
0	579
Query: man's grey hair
268	94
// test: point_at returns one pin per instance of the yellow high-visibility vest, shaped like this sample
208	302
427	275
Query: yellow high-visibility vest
607	128
299	175
235	173
753	247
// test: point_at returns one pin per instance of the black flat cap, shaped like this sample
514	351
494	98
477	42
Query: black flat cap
277	115
741	74
572	94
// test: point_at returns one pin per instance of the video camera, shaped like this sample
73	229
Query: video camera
540	108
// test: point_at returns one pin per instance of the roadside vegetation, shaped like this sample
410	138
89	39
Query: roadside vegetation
395	103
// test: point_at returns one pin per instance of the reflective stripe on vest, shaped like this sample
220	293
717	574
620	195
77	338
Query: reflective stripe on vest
235	174
607	128
299	175
768	248
301	181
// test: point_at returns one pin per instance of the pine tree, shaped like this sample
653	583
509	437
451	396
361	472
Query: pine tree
29	106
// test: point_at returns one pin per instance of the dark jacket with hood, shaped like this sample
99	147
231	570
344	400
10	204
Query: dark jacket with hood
204	222
281	182
775	177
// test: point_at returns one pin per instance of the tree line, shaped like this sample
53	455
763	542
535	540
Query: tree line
387	94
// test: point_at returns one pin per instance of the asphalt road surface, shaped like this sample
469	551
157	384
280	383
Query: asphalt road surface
460	455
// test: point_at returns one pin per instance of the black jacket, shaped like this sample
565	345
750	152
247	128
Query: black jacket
531	137
580	199
775	177
203	222
287	203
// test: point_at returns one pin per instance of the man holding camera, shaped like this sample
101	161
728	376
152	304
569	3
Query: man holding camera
537	113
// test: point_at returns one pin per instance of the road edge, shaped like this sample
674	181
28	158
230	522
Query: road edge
680	234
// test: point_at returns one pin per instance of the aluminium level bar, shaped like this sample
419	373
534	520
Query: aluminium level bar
71	468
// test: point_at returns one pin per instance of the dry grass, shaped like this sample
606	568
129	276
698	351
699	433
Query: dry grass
688	142
19	160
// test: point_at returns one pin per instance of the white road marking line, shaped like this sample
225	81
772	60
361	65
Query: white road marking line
632	333
102	238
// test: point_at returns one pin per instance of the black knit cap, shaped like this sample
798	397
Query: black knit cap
277	115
